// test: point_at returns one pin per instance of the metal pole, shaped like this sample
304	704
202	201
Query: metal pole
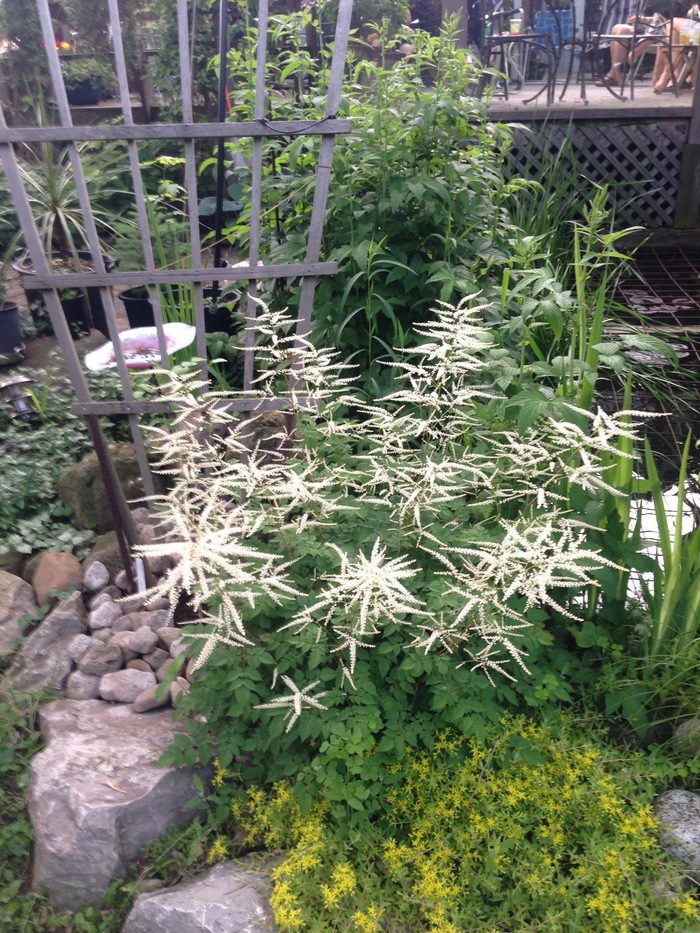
220	167
688	197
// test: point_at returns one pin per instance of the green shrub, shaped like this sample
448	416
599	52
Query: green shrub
32	457
79	71
407	567
534	828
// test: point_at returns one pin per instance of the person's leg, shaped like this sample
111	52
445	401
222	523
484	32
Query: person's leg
618	52
661	76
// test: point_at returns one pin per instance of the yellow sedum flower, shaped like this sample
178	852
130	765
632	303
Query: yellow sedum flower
218	851
536	838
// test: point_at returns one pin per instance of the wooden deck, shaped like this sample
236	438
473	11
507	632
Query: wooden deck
601	106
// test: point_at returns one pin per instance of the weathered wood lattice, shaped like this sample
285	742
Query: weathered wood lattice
640	161
49	281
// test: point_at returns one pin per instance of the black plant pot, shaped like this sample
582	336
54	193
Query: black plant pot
219	320
97	311
74	310
76	313
12	348
140	311
85	93
138	307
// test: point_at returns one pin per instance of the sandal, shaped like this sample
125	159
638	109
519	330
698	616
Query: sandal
607	81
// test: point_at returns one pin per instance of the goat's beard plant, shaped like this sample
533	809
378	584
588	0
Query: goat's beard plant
391	569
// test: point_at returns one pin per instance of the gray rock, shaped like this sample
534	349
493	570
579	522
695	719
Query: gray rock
156	658
104	659
147	700
104	616
16	599
102	635
139	665
167	636
122	624
180	688
106	549
231	897
158	619
163	671
108	594
679	811
156	565
80	646
132	604
686	738
123	641
141	515
13	562
146	885
131	622
44	661
30	568
122	581
154	605
148	533
97	797
81	686
125	686
96	576
143	640
177	648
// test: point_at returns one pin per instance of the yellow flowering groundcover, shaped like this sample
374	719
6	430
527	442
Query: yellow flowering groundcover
536	828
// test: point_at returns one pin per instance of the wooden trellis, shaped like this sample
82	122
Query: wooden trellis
641	162
258	130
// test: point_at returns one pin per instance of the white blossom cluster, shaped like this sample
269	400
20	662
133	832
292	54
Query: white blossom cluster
420	458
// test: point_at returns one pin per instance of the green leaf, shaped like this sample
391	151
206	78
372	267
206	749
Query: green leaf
586	636
650	345
532	404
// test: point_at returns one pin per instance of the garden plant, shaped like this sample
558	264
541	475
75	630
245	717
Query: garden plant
424	673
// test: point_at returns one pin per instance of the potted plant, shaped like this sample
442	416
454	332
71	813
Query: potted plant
86	79
12	348
170	234
48	180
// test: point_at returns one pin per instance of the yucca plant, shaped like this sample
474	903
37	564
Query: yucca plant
47	175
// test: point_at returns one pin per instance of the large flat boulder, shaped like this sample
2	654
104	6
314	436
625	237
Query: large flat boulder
97	796
679	814
16	599
45	659
82	488
231	897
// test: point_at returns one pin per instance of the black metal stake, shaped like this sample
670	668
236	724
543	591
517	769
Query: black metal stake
113	495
